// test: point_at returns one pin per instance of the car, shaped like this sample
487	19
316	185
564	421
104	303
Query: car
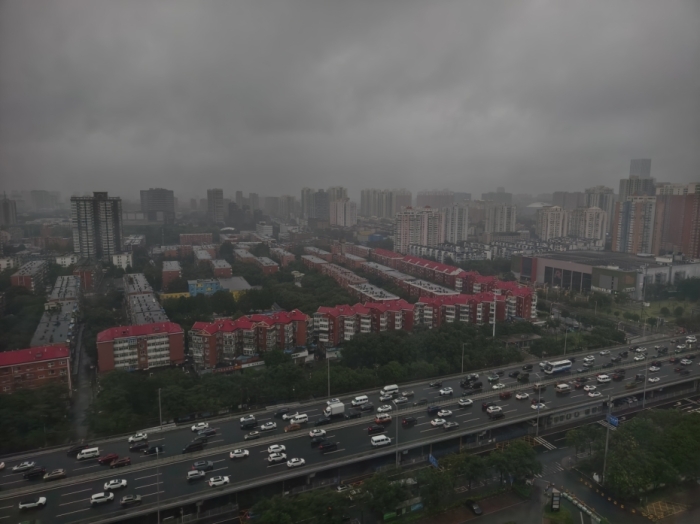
589	387
690	357
465	402
274	458
107	459
437	422
195	474
685	372
589	358
543	365
323	421
618	376
594	394
514	374
199	426
400	400
23	466
382	418
375	428
493	378
607	365
445	392
268	426
474	507
623	354
325	447
280	412
444	413
256	434
56	474
587	365
539	387
654	379
101	498
139	446
295	462
615	359
219	480
498	386
604	353
130	500
317	433
238	453
493	409
317	441
500	372
385	398
538	405
622	371
138	437
115	484
120	462
210	432
33	503
276	448
527	367
581	370
408	393
291	427
385	408
639	358
409	422
674	360
681	347
367	407
154	450
686	362
34	473
522	395
352	414
657	363
201	438
2	466
247	418
485	405
450	425
204	465
342	488
288	415
654	369
505	395
332	401
603	379
437	384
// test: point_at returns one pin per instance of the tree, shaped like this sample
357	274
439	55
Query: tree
664	311
522	459
678	311
436	487
498	461
384	496
473	467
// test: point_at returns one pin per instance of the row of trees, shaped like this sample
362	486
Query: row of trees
313	507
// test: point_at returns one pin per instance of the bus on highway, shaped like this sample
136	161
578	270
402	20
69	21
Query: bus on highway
558	366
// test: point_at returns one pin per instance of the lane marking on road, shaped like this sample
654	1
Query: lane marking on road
75	492
217	461
72	512
510	411
336	451
278	464
3	518
7	507
147	485
151	494
430	429
13	482
86	467
217	440
148	476
73	502
156	439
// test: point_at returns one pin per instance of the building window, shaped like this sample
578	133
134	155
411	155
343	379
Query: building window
41	376
52	372
6	388
50	364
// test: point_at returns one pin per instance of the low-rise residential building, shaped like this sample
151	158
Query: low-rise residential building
267	265
144	346
423	288
237	286
31	275
334	325
370	293
144	308
90	273
350	260
35	367
67	260
136	284
224	340
195	239
202	256
203	286
57	324
65	288
123	260
344	277
477	309
8	263
313	262
221	268
243	255
172	270
320	253
283	257
385	257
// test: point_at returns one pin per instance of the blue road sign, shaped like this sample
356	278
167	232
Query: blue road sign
613	421
433	461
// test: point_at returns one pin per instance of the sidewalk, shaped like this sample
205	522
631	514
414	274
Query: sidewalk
82	388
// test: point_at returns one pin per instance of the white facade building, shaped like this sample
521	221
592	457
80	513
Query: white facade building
123	260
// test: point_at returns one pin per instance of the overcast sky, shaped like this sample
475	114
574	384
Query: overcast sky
270	96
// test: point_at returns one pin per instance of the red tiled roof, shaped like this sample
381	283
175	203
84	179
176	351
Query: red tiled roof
115	333
451	300
248	321
390	305
344	311
386	253
26	356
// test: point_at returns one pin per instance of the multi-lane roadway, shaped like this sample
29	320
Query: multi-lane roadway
165	479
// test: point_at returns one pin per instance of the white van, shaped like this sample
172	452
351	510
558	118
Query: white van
380	440
391	389
88	453
563	388
358	401
301	418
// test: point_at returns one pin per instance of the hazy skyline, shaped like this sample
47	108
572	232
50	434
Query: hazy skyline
271	96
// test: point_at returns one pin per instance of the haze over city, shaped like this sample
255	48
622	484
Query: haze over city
257	95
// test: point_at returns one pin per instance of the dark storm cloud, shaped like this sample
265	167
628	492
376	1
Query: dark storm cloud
271	96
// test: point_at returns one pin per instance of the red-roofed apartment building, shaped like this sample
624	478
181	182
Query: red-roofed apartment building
142	346
35	367
212	343
386	257
333	325
521	301
472	309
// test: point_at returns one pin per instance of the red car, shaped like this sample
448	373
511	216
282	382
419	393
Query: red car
119	463
107	459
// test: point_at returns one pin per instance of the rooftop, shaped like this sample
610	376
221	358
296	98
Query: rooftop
314	259
267	261
603	259
36	354
145	309
142	330
242	253
433	288
312	249
220	264
31	268
136	283
65	288
249	321
56	324
172	265
373	292
234	284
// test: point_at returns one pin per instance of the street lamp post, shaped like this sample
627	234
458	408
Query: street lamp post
607	439
646	381
463	343
158	479
160	412
539	396
397	438
566	335
328	362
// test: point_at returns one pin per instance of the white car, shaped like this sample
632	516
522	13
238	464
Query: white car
654	369
247	418
276	448
594	394
342	488
522	396
493	409
138	437
444	392
218	481
23	466
641	350
603	379
604	353
654	379
317	433
36	502
589	358
2	466
288	416
691	339
539	405
101	498
238	453
381	418
444	413
686	362
199	426
332	401
681	346
464	402
274	458
437	422
295	462
589	387
115	484
384	408
639	358
384	398
498	386
267	426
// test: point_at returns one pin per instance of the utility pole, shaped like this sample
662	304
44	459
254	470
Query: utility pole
463	357
328	362
160	412
646	381
494	316
539	396
158	478
566	334
607	439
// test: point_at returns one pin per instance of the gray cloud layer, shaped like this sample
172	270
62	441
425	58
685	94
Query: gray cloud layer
269	96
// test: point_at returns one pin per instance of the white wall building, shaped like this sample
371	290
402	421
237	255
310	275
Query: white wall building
67	260
456	223
418	226
343	213
123	260
552	222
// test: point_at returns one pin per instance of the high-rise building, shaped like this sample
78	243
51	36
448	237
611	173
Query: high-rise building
604	198
633	231
640	167
552	222
499	197
639	182
462	198
456	223
337	193
500	218
400	199
343	213
44	200
8	211
436	199
384	203
307	202
215	205
677	220
97	226
287	207
239	199
568	200
254	201
158	205
193	204
320	209
272	206
588	222
422	226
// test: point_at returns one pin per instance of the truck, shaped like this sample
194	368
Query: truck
336	409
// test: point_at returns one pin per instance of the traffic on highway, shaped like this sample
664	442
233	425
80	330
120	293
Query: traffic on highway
211	455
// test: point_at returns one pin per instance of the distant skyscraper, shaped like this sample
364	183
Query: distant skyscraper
640	167
239	199
97	226
499	218
456	223
461	198
272	206
337	193
193	204
636	186
677	228
633	231
44	200
8	211
436	199
158	205
552	222
568	200
254	201
604	198
424	227
307	202
215	205
343	213
321	206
